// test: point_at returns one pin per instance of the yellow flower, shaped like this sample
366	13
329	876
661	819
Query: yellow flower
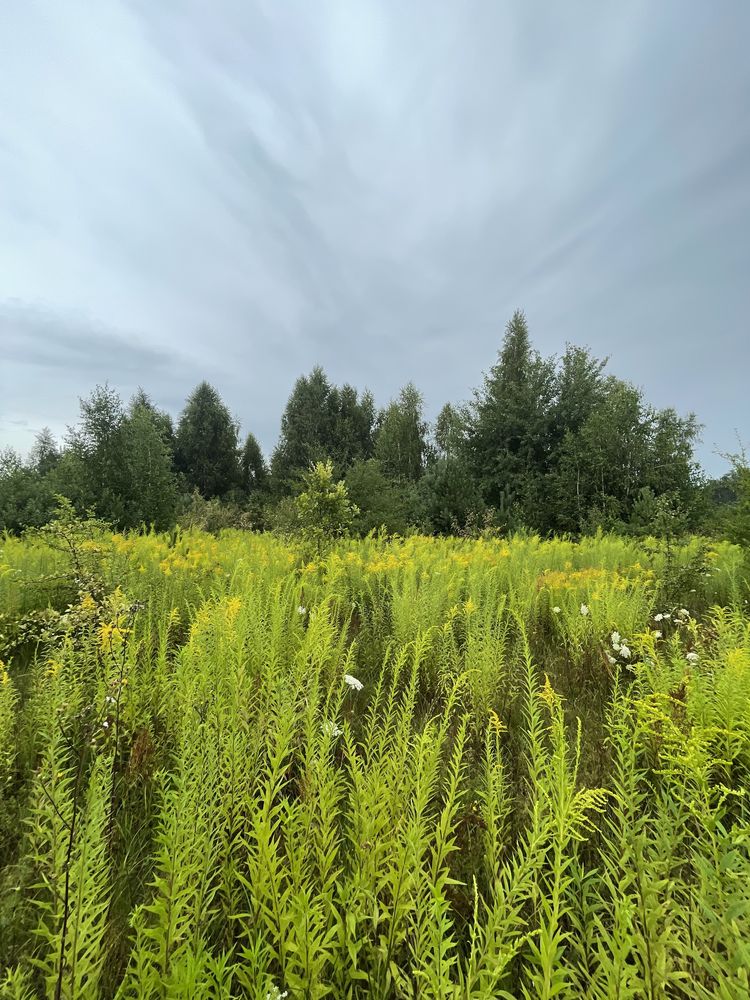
53	667
110	636
88	603
496	723
233	608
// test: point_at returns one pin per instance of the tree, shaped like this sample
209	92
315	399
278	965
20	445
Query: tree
206	447
26	497
323	507
381	502
352	424
91	475
622	448
508	445
148	483
450	432
401	445
306	430
321	422
161	418
254	469
45	455
735	516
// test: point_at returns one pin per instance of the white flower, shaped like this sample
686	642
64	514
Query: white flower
105	725
331	729
657	634
684	612
667	617
275	994
556	610
109	699
659	617
584	609
353	682
615	639
692	657
611	658
301	610
625	652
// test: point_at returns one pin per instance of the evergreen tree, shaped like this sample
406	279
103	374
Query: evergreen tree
206	447
254	470
306	431
508	446
45	455
321	422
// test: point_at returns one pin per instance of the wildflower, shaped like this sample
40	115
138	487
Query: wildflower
275	994
109	699
692	657
625	652
331	729
657	634
611	658
301	610
616	639
584	609
684	612
105	725
353	683
556	610
659	617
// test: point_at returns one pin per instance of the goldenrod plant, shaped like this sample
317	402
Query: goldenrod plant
235	765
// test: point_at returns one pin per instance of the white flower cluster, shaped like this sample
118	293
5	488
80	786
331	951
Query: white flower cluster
619	647
353	683
331	729
584	609
275	994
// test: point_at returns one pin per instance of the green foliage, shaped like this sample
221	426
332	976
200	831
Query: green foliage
206	445
321	422
401	443
381	502
324	509
735	519
26	497
229	773
255	476
213	515
508	444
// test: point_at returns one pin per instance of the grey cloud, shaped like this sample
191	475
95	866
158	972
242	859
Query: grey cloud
32	336
253	187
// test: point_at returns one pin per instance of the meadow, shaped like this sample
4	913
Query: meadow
419	767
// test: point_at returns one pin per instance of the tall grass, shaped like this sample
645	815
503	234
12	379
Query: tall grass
412	768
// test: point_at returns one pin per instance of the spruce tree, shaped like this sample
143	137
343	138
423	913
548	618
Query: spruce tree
206	447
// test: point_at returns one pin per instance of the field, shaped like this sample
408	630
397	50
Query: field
408	768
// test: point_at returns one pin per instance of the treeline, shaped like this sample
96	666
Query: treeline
554	444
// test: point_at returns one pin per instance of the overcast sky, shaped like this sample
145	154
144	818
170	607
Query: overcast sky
241	189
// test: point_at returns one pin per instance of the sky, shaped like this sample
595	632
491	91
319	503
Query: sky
242	189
